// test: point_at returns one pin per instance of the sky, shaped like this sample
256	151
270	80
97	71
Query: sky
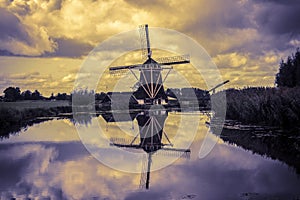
44	43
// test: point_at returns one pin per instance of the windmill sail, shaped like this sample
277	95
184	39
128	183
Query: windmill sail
150	83
174	60
145	41
124	67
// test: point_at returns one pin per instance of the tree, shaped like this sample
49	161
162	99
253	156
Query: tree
52	97
12	94
297	65
289	71
36	95
27	95
62	96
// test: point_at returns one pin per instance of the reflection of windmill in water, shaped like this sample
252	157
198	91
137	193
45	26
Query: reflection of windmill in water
149	85
151	133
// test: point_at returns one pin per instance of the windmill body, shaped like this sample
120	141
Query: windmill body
150	89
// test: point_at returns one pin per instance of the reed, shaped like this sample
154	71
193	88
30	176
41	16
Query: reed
264	106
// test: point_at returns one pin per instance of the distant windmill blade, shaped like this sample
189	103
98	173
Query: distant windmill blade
174	60
217	86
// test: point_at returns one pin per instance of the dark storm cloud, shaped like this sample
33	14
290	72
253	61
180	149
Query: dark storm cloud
10	27
213	16
252	27
19	38
71	48
284	2
278	17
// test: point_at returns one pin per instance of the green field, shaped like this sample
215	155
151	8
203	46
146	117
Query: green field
21	105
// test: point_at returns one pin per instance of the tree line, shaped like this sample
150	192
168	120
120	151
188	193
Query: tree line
12	94
289	71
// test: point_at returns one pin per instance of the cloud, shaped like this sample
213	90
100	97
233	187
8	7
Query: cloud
71	48
77	26
25	80
29	75
44	74
68	78
237	34
11	27
295	42
29	80
230	60
21	39
280	19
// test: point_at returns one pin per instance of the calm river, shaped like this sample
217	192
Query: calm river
50	161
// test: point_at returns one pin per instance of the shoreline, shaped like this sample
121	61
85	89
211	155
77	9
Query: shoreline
13	120
276	144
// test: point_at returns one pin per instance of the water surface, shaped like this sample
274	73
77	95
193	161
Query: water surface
49	161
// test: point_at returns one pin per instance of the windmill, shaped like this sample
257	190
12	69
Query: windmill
151	132
150	89
213	90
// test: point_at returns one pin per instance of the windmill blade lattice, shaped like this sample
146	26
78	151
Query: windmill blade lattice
174	60
145	41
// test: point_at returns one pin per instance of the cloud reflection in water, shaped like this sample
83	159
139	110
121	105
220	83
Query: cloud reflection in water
63	169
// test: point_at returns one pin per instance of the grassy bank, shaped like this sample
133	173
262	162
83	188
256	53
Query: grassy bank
264	106
13	119
30	104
